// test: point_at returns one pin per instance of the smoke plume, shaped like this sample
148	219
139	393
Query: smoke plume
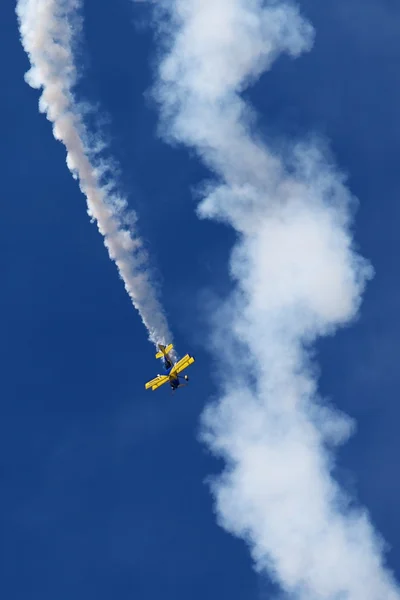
48	29
297	277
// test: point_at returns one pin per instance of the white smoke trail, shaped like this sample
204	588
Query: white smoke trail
47	30
298	277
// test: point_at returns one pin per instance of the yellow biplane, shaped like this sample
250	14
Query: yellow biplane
172	369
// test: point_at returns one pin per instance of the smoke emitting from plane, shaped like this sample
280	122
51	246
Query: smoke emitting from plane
47	30
297	277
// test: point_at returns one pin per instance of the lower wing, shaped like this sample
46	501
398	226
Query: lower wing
156	382
182	364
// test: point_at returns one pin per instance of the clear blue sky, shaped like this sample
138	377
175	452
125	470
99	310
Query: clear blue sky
102	486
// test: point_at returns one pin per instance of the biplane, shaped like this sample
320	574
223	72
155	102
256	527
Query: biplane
173	369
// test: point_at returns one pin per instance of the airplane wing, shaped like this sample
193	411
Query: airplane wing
182	364
156	382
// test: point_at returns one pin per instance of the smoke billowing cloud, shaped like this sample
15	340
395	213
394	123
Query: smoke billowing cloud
297	277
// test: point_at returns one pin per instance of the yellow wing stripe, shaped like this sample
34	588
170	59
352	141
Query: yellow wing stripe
156	382
182	364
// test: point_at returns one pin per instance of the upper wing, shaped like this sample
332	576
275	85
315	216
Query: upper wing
156	382
182	364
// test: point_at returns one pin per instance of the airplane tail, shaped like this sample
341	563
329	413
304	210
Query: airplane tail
164	350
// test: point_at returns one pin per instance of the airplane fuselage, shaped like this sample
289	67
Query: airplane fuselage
174	380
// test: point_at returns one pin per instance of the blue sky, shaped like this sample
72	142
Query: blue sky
103	485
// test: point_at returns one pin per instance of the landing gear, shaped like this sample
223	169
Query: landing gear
186	378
